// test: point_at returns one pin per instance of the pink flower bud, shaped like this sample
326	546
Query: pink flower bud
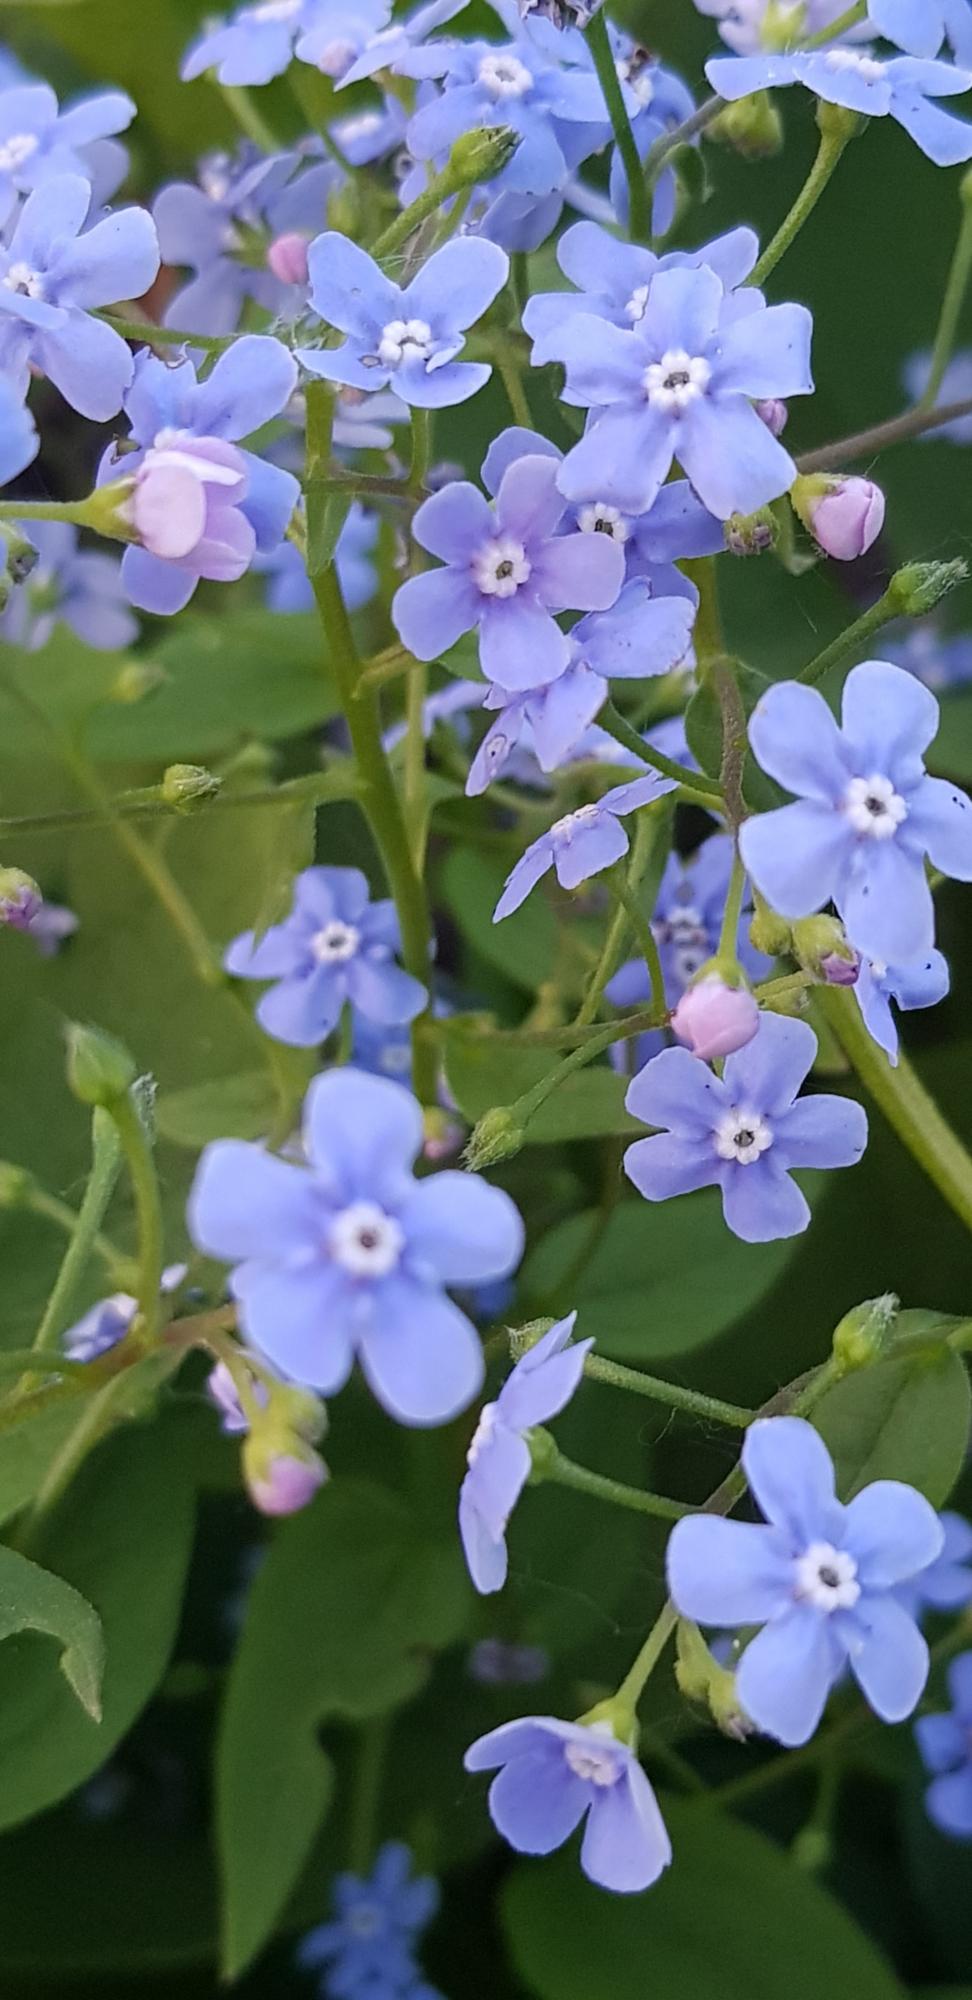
287	258
846	519
838	970
288	1485
775	415
185	505
713	1019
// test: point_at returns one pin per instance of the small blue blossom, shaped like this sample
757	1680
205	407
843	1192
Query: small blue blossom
37	140
514	85
340	33
367	1951
552	1775
80	587
445	705
744	23
289	587
19	442
104	1325
256	43
821	1579
53	273
336	948
388	48
582	844
945	1743
921	26
239	201
408	336
956	387
867	814
349	1255
51	926
903	89
941	660
508	571
502	1663
742	1132
613	279
657	101
370	135
921	984
681	383
946	1585
540	1386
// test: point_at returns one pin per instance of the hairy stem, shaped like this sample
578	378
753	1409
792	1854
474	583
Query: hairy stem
105	1164
710	1408
639	216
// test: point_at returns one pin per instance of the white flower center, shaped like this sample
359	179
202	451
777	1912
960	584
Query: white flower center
742	1136
563	830
19	277
215	177
598	518
276	10
827	1578
335	58
596	1766
501	567
365	1241
635	308
874	808
635	72
484	1432
335	943
16	151
366	1920
504	76
404	340
677	379
866	67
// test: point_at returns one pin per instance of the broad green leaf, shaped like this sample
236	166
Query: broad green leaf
32	1600
122	1537
28	1450
132	1898
483	1072
230	1107
659	1280
907	1419
524	946
342	1616
732	1919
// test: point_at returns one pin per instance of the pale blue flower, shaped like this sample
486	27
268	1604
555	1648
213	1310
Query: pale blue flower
367	1951
240	200
81	588
923	983
336	948
921	26
38	140
582	844
904	89
956	387
498	1462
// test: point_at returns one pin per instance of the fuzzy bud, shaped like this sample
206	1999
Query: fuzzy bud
840	970
20	899
817	941
187	785
498	1135
768	932
285	1484
100	1070
481	154
287	258
18	557
774	413
844	515
16	1185
863	1335
702	1679
752	126
522	1338
751	534
712	1019
920	587
136	679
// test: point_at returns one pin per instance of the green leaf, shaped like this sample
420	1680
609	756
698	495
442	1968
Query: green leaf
348	1600
122	1538
133	1895
230	1107
485	1072
531	946
326	515
907	1419
28	1450
32	1600
732	1919
659	1280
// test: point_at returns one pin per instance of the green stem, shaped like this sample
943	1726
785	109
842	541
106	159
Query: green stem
453	180
905	1103
105	1164
951	312
421	450
414	787
166	336
633	1684
887	607
154	871
148	1208
45	510
151	804
605	968
710	1408
694	786
563	1472
511	375
729	934
639	215
38	1202
681	135
854	14
898	430
249	117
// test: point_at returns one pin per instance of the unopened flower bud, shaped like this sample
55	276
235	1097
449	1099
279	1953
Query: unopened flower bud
15	1184
18	557
839	969
187	785
751	534
704	1680
287	258
543	1452
481	154
844	515
817	941
20	899
286	1484
774	413
136	679
752	126
768	932
712	1019
443	1135
100	1069
920	587
498	1135
522	1338
864	1334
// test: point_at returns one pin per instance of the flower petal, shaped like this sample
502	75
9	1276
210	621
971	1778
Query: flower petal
579	572
768	1072
791	1476
786	1674
625	1845
462	1229
361	1133
760	1202
246	1203
677	1091
797	855
731	457
886	903
300	1319
940	817
888	1655
892	1532
537	1801
420	1355
767	353
727	1572
669	1164
431	611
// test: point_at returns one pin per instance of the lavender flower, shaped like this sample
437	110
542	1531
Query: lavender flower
582	844
367	1951
741	1132
387	48
51	273
51	926
516	85
335	948
350	1255
255	44
339	33
540	1386
552	1775
19	442
955	387
289	587
508	570
613	280
211	230
681	383
902	89
38	140
921	26
921	984
748	24
946	1585
867	815
104	1325
409	336
945	1742
821	1579
81	587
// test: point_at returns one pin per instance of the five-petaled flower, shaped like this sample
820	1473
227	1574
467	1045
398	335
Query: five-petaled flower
903	89
336	947
583	843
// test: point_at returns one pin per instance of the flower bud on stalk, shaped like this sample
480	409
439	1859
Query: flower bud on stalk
844	515
20	899
713	1019
287	258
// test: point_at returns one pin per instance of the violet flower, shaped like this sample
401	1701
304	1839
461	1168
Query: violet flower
540	1386
583	843
336	948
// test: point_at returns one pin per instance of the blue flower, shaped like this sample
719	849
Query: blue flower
582	844
946	1585
19	442
368	135
941	660
518	86
508	570
552	1775
502	1663
105	1324
53	273
169	410
741	1132
238	201
256	44
540	1386
367	1951
51	926
921	26
681	383
613	280
921	984
945	1742
340	33
37	140
335	948
407	337
955	387
82	587
900	89
389	48
349	1255
289	587
867	815
821	1579
743	23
